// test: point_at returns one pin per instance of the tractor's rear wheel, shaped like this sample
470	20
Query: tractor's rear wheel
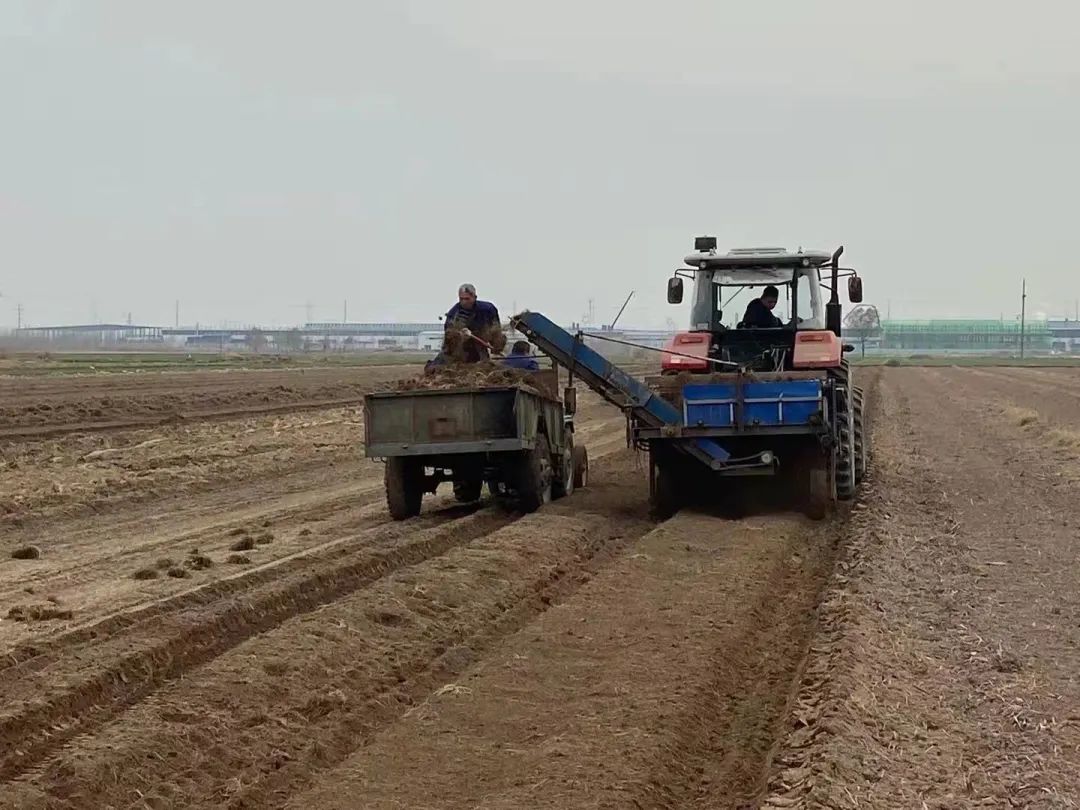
404	479
535	476
845	447
862	436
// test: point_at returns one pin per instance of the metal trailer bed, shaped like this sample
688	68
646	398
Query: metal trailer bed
517	440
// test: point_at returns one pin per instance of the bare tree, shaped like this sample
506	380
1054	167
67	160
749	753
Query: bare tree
863	322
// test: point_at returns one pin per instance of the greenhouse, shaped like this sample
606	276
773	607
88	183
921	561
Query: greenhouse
962	335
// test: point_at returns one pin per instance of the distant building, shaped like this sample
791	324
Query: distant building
95	334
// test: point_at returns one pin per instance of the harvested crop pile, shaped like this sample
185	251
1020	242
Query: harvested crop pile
465	375
457	348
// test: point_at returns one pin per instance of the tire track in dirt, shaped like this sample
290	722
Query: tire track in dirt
371	514
946	673
106	674
352	667
31	433
657	684
115	662
1048	416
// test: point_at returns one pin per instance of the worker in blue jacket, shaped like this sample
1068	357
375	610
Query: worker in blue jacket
520	357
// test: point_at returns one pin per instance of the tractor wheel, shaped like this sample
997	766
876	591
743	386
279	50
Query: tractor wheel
664	498
468	491
862	437
535	476
581	467
404	479
563	486
845	450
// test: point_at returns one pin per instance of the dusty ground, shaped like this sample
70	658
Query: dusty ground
217	612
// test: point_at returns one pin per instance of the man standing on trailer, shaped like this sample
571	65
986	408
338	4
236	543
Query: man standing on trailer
480	318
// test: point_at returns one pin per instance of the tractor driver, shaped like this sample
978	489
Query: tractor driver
479	317
759	311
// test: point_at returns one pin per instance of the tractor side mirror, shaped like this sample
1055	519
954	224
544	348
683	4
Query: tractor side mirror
674	290
854	290
570	400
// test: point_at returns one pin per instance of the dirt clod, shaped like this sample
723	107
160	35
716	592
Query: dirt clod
176	572
26	553
199	562
38	613
238	559
243	544
146	573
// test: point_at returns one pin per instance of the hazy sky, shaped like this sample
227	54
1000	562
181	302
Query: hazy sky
250	157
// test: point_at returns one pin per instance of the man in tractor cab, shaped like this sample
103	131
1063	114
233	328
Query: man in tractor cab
758	313
521	357
480	318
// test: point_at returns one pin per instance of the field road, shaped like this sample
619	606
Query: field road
218	612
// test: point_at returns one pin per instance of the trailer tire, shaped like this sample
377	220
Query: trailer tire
563	485
580	458
404	479
535	476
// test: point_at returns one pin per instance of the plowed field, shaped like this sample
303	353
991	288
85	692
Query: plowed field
212	609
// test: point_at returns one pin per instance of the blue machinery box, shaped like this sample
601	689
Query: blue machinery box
764	404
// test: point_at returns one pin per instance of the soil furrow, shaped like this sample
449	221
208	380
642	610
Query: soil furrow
316	686
120	670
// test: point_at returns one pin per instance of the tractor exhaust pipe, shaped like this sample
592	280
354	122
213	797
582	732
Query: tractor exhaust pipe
832	309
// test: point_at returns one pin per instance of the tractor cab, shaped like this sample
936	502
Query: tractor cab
725	284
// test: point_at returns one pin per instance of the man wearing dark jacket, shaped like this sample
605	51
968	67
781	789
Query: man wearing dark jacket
759	311
474	315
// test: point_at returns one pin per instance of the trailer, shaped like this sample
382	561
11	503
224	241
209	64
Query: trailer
516	439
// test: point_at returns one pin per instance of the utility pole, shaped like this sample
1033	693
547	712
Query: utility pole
345	312
1023	315
177	322
18	315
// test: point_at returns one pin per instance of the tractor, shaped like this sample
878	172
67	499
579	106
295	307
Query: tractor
780	399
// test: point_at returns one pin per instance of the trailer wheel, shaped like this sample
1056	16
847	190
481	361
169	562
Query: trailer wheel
563	486
468	491
535	476
580	458
404	478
